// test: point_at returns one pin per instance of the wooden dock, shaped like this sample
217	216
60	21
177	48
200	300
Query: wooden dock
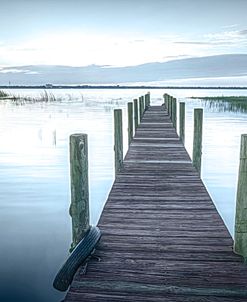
163	239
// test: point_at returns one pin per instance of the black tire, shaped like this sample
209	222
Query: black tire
79	255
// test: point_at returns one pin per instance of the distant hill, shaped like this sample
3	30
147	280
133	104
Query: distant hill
201	67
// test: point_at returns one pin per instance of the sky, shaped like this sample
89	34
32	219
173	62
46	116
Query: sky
118	32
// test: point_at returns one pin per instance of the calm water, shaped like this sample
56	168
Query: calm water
35	226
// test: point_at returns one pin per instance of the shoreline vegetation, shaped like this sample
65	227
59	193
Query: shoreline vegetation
225	103
44	97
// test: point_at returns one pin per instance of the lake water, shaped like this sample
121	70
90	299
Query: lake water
35	226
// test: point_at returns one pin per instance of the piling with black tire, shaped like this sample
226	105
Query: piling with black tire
79	207
197	141
240	242
118	140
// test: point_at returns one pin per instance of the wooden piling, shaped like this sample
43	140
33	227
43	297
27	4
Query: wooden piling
136	118
141	107
170	105
165	100
197	142
174	113
147	100
130	122
240	243
182	121
118	140
79	207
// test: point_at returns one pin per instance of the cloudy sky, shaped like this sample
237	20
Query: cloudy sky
118	32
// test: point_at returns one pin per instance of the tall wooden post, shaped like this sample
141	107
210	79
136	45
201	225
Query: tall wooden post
140	109
197	142
118	140
165	100
136	118
142	104
79	207
170	105
174	113
147	100
240	243
182	121
130	122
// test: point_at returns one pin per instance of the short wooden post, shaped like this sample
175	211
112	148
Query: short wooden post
240	242
197	142
130	122
174	113
182	121
118	140
136	118
79	207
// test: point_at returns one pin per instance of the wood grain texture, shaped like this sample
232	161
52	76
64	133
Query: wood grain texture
163	239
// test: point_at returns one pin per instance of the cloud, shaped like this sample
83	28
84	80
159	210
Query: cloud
13	70
230	26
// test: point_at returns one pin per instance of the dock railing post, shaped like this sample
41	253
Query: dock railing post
118	140
142	104
165	101
174	113
197	141
136	118
170	105
240	242
79	207
130	122
146	101
140	109
182	121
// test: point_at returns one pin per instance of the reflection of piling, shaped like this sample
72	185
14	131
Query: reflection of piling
54	138
79	208
130	122
240	243
118	140
197	142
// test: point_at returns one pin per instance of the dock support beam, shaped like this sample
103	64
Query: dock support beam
182	121
79	207
197	142
240	243
130	122
118	140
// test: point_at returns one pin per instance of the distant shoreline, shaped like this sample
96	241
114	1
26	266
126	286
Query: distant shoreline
119	87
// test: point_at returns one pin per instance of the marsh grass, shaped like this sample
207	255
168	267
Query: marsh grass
225	103
3	94
44	97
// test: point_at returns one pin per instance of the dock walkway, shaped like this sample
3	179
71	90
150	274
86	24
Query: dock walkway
163	239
